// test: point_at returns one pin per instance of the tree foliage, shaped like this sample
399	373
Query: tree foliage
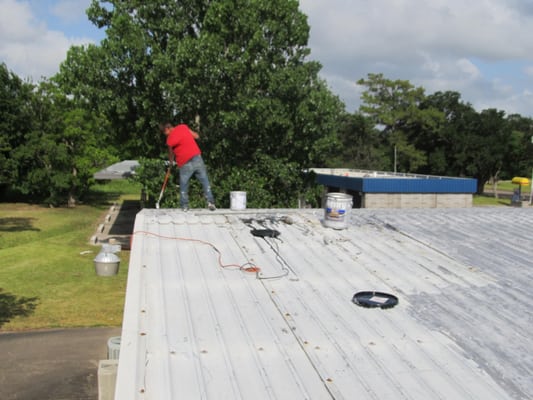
16	114
360	145
64	146
447	150
487	146
235	70
440	134
519	160
394	106
50	144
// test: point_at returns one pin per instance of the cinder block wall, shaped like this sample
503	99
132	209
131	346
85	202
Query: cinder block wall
416	200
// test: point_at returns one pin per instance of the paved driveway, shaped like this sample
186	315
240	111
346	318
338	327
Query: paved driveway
52	364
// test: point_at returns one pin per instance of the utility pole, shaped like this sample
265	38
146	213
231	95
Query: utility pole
395	155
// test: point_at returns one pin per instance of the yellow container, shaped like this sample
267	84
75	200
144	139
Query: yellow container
517	180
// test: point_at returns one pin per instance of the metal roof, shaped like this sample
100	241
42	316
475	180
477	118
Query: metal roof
390	182
120	170
197	325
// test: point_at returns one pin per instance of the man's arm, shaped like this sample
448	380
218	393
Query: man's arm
194	134
170	155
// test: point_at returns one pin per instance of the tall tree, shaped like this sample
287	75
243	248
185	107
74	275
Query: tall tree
16	98
394	107
488	147
519	162
448	151
234	69
360	145
64	146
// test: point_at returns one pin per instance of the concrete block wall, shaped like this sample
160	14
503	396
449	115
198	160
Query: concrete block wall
459	200
416	200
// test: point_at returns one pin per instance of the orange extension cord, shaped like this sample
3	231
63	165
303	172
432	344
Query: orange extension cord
242	267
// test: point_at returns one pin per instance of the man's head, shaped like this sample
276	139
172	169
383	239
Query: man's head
165	128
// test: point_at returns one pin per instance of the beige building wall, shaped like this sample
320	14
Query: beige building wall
416	200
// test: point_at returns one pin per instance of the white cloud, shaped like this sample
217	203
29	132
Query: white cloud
529	71
28	46
468	69
17	24
70	10
439	44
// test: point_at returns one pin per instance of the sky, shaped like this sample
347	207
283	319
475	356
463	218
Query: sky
481	49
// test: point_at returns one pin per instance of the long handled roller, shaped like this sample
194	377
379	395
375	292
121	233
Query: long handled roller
163	188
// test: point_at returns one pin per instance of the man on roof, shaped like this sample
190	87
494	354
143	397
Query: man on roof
182	147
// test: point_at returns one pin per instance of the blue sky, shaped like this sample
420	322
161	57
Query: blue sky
481	49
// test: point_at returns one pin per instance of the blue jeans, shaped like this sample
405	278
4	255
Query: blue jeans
195	166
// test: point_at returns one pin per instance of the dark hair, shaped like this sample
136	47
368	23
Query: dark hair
163	126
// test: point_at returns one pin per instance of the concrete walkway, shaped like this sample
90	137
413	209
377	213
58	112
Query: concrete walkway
117	226
53	364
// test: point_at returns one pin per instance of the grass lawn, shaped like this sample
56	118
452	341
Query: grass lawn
480	201
505	190
45	253
507	186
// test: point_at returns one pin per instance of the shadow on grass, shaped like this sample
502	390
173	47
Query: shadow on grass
105	193
11	224
100	194
12	306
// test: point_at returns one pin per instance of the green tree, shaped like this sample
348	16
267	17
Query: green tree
235	70
488	147
64	146
448	150
360	145
519	161
16	99
394	107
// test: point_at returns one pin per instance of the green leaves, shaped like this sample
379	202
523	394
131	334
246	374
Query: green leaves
395	107
62	146
16	112
237	67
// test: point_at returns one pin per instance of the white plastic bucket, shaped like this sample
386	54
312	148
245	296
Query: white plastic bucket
238	200
113	348
337	210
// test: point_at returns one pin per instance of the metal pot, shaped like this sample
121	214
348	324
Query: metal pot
106	264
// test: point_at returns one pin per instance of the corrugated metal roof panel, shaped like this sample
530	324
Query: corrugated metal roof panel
120	170
198	326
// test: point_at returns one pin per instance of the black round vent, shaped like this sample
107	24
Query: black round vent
375	299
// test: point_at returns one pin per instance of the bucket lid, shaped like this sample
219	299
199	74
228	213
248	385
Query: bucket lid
339	195
104	257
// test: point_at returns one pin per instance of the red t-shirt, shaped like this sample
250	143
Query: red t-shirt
183	144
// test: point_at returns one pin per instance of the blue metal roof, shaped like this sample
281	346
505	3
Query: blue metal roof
120	170
399	184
